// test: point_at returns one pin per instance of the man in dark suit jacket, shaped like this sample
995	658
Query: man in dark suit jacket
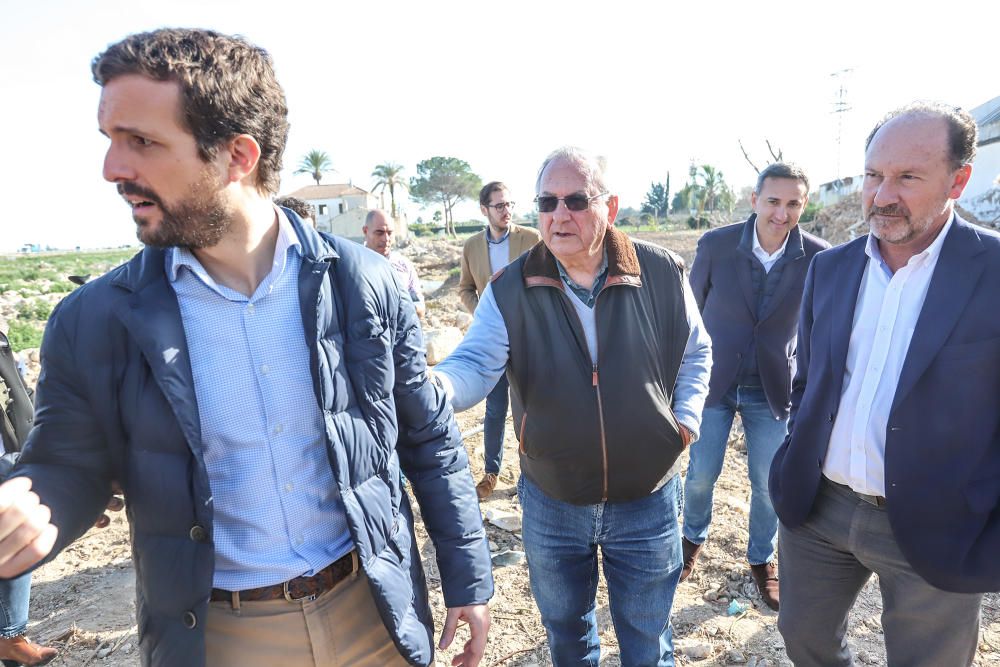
747	279
892	463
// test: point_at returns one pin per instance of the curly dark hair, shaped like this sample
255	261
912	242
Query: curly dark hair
227	88
302	208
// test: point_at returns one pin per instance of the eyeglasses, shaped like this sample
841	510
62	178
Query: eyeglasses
574	202
502	206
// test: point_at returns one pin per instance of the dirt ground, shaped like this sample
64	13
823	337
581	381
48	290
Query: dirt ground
83	602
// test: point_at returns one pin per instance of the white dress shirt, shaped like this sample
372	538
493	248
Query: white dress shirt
767	259
885	316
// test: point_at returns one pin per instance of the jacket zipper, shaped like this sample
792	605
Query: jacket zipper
604	443
595	381
600	404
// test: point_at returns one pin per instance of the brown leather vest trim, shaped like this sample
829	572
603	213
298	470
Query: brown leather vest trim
623	263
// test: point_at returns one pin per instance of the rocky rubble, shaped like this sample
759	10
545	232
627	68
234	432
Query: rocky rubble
840	222
985	207
843	221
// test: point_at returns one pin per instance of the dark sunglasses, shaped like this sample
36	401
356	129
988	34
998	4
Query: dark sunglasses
499	208
574	202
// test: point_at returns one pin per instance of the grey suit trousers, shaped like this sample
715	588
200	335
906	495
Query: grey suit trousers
826	561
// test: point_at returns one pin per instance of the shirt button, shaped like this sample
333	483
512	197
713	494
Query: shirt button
265	369
250	308
278	428
299	540
190	620
198	534
289	486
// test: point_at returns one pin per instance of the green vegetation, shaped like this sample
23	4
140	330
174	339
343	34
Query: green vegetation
24	271
315	163
34	276
23	335
810	211
657	200
445	181
389	176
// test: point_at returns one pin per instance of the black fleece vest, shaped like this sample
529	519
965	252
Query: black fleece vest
589	432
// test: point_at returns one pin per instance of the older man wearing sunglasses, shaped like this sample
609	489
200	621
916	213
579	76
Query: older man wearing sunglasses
605	351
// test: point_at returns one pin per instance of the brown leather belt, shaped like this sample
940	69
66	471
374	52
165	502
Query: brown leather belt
299	589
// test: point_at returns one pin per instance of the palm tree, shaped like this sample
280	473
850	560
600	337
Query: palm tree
315	163
711	187
389	175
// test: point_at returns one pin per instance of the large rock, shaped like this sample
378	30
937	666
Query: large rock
441	342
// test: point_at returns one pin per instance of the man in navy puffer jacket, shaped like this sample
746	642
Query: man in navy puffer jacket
254	387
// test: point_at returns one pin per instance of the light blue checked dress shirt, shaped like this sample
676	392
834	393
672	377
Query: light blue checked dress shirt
278	514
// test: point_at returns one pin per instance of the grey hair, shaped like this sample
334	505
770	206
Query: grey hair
962	130
592	167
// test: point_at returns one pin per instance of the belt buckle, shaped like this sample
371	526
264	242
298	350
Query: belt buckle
289	598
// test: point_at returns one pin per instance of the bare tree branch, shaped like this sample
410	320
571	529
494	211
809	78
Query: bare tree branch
777	157
740	142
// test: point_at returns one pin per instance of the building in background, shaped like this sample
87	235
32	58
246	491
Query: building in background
982	194
341	208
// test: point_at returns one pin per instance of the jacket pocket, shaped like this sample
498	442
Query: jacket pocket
980	350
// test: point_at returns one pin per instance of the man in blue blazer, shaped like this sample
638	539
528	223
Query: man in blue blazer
747	279
892	462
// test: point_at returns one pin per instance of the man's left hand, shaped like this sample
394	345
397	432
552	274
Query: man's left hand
685	434
478	618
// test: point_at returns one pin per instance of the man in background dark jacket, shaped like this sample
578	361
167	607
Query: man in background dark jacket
747	279
254	387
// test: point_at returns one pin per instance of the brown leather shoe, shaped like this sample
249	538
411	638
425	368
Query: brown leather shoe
766	578
23	650
486	485
691	551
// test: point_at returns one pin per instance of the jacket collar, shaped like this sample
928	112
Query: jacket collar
623	263
152	316
149	265
793	247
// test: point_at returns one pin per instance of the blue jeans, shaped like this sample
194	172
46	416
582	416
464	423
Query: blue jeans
764	434
493	424
14	596
641	549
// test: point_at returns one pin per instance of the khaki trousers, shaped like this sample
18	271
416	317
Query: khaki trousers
340	628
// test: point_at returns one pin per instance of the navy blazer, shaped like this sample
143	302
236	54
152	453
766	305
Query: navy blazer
723	287
942	445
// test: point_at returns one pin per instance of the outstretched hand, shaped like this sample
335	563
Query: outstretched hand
478	618
26	534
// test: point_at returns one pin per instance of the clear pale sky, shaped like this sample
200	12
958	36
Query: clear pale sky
651	85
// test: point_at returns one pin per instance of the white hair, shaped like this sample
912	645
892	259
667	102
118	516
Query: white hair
592	167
